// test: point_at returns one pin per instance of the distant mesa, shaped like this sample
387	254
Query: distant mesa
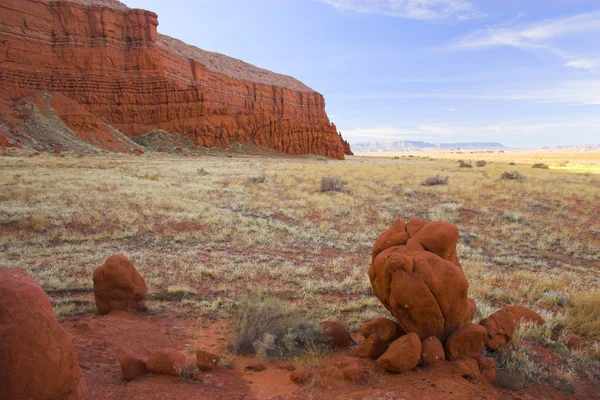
90	75
413	146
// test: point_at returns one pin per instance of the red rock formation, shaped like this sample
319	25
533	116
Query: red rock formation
112	63
118	286
502	324
37	358
416	275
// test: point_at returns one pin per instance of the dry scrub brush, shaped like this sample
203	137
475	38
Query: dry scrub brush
269	328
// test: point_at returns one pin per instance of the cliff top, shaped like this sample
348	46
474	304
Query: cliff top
230	66
116	4
215	62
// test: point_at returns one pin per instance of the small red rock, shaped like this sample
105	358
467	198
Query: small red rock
487	368
573	341
205	361
166	361
402	355
501	325
432	351
133	365
256	367
352	371
300	375
337	334
385	328
373	347
467	342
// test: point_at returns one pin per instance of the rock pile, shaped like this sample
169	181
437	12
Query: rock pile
417	276
37	358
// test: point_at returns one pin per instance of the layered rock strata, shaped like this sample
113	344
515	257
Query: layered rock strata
111	61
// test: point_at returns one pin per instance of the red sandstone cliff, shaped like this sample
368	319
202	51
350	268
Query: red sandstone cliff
99	67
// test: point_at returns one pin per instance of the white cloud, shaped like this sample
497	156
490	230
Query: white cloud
574	92
583	63
541	35
424	10
440	132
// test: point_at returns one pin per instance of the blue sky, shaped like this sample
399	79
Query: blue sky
525	73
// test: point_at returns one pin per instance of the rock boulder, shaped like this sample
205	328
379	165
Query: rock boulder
37	358
416	275
118	286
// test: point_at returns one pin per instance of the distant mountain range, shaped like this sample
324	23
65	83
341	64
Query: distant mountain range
409	145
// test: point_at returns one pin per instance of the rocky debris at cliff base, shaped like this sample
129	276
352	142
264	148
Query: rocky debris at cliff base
37	357
501	325
118	286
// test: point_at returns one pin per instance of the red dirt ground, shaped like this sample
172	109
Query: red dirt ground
100	342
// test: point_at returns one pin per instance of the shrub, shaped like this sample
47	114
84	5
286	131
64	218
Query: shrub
481	163
512	175
331	184
539	165
435	180
269	328
258	179
584	314
465	164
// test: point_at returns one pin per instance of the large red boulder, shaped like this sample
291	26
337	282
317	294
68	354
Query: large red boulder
467	342
118	286
385	328
502	324
37	358
402	355
416	275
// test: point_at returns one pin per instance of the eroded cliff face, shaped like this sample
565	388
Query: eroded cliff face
118	72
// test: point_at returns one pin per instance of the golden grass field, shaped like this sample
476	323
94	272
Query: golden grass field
206	231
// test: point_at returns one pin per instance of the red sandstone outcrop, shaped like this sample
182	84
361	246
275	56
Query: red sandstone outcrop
416	275
37	358
118	286
118	72
502	324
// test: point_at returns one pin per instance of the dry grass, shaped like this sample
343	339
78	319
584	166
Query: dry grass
204	240
584	314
